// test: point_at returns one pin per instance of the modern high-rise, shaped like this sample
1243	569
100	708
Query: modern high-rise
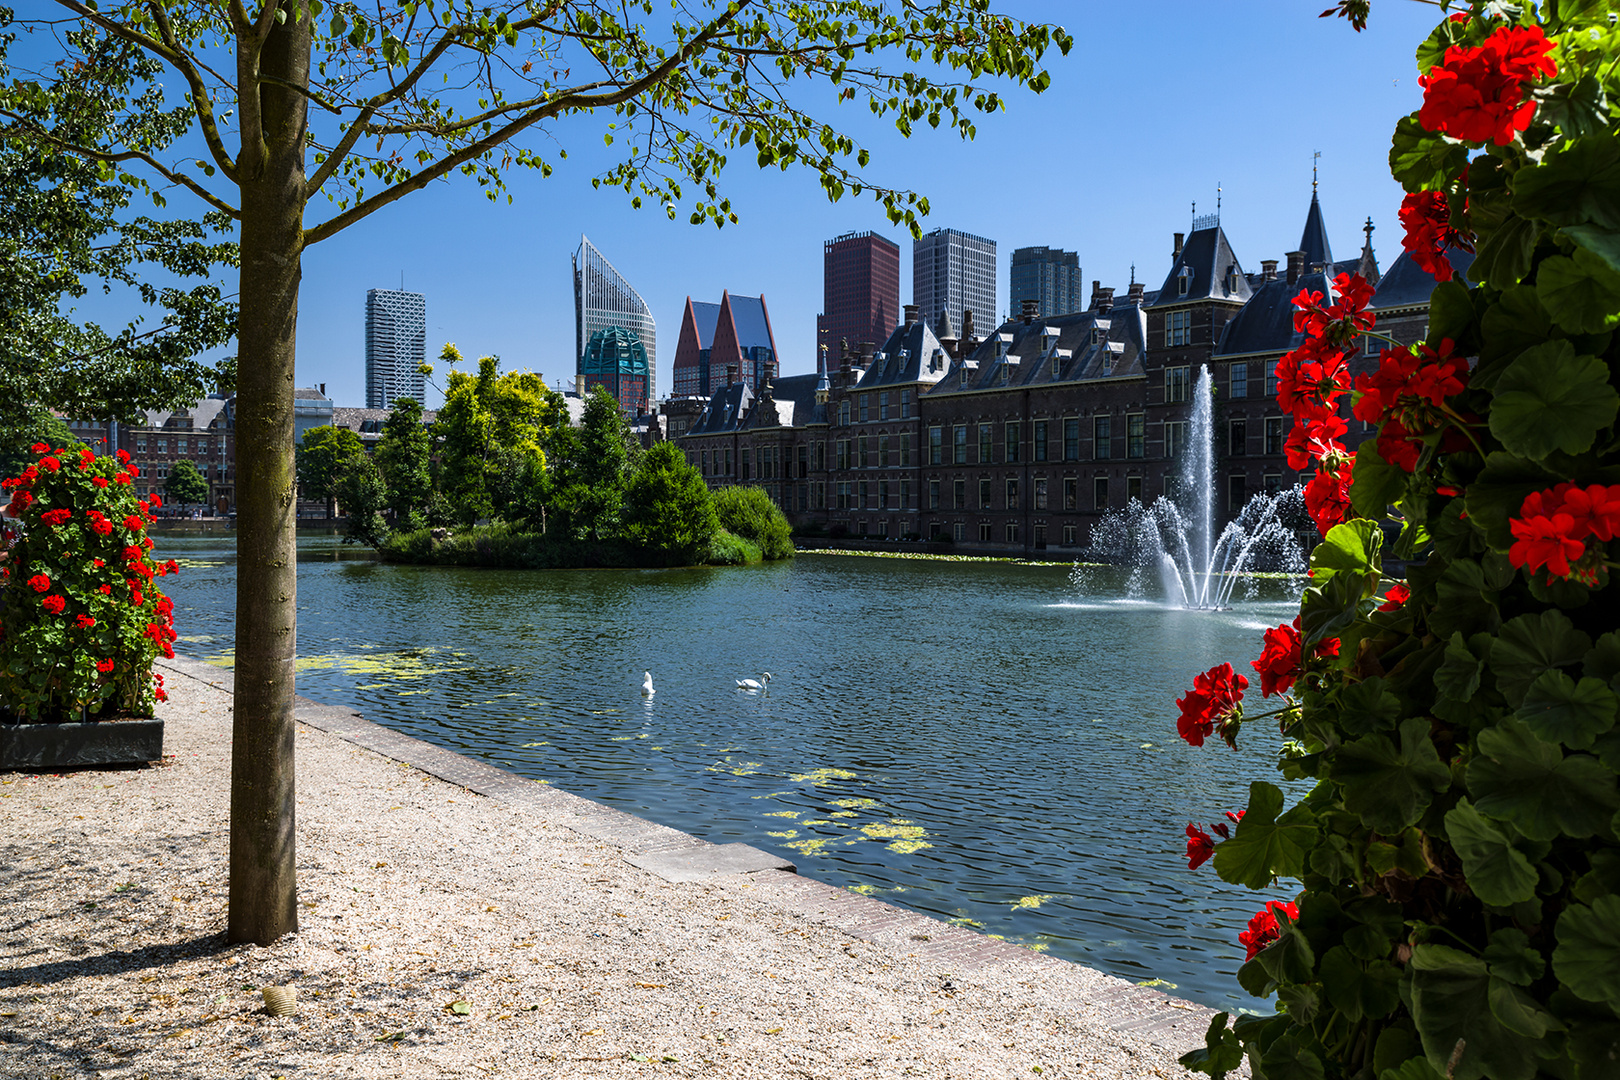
1050	277
725	343
603	300
954	271
860	292
396	346
615	359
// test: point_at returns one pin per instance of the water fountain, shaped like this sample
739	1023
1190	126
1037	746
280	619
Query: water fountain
1176	540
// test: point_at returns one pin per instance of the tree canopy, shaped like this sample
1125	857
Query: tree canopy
185	484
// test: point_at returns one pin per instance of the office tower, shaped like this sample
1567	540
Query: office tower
615	359
1048	276
396	346
954	271
860	292
602	300
723	343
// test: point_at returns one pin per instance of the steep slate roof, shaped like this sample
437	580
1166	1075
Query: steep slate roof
1072	352
909	356
753	325
1266	322
1313	241
704	318
796	402
1408	285
729	406
1206	255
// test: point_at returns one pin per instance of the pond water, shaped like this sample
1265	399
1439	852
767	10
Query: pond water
976	741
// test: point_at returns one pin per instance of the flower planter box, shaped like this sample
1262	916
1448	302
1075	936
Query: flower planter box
63	746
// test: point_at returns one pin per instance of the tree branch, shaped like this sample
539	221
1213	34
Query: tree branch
199	93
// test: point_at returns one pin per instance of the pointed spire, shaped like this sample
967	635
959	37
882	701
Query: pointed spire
1314	240
1368	267
946	331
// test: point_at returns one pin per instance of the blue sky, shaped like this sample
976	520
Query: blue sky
1156	105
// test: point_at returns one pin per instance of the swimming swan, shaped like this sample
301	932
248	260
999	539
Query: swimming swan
753	684
647	686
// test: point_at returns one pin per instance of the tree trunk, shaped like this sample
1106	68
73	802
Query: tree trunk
263	889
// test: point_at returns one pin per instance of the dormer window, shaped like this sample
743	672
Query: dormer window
1184	281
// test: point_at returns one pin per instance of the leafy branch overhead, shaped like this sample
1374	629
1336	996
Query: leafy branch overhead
405	94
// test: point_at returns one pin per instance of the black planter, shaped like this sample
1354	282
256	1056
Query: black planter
66	746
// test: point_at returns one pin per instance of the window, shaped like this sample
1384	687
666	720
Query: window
985	444
1274	435
1071	439
1176	383
959	445
883	405
1136	435
1099	493
804	460
1068	536
843	495
984	494
1175	437
1177	328
1237	493
1238	438
843	453
957	530
866	406
1184	281
959	495
883	451
865	494
1071	493
861	460
728	461
843	413
1102	437
804	497
1240	379
933	494
140	446
905	404
1271	379
1040	440
746	457
905	495
984	532
1012	533
705	463
905	449
816	492
821	455
936	445
1040	494
1133	488
883	495
1272	483
1014	432
1012	494
162	445
1040	536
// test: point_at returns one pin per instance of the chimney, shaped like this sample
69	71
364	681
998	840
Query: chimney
1031	309
1105	299
731	374
1180	239
1096	293
1136	291
911	314
1268	269
968	336
1296	266
323	389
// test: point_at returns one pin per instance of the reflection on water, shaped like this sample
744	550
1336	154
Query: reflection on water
970	740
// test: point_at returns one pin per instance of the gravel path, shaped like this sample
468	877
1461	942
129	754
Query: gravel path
449	934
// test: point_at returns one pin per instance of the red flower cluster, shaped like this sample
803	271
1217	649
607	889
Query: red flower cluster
1263	928
49	464
1426	217
1280	661
162	694
53	604
1478	94
1200	846
1553	526
105	666
1407	396
98	522
40	448
1213	700
1398	594
85	622
133	523
40	583
56	517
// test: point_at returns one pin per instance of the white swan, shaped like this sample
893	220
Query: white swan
647	686
754	684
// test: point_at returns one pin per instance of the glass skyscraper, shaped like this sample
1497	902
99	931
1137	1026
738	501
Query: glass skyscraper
396	346
603	300
954	271
1050	277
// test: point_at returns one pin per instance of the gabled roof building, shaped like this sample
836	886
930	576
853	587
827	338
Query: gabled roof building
722	342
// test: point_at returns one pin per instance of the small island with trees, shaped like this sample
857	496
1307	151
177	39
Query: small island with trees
505	478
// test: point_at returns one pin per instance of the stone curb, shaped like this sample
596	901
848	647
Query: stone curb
1168	1022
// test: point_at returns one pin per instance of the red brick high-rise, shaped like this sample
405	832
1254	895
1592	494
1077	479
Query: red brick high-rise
861	287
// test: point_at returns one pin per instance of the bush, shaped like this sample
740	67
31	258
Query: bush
1459	915
749	513
728	549
668	511
81	618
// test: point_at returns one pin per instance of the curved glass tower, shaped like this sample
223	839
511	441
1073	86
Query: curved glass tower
603	300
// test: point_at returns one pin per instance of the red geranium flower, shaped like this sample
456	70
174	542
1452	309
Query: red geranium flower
1596	510
133	523
122	456
1263	928
137	598
1327	496
1214	697
99	481
1314	439
1426	217
155	499
1545	541
100	563
54	604
104	589
40	448
56	517
1478	94
85	622
40	583
1398	594
1200	846
49	464
105	666
1280	664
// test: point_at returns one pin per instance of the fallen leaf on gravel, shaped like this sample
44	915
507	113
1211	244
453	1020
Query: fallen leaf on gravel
773	1031
594	1031
460	1008
392	1036
651	986
638	1057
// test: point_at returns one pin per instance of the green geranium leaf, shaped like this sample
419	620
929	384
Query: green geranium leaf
1595	1049
1560	710
1265	845
1289	959
1432	53
1497	873
1587	958
1413	1069
1375	483
1530	783
1327	610
1600	241
1352	548
1359	990
1388	788
1504	258
1368	706
1292	1058
1510	957
1603	662
1519	1012
1499	492
1420	159
1530	645
1576	184
1458	677
1551	400
1511	325
1467	601
1221	1052
1582	294
1452	315
1451	1004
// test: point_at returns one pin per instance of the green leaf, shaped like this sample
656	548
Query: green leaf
1411	1069
1451	1005
1587	959
1530	645
1264	845
1511	325
1368	706
1558	709
1375	483
1327	610
1595	1049
1578	183
1388	788
1420	159
1467	602
1458	677
1291	1058
1351	547
1359	990
1549	400
1510	957
1582	294
1498	494
1498	873
1503	259
1221	1052
1532	785
1452	315
1289	959
1603	662
1519	1012
1604	243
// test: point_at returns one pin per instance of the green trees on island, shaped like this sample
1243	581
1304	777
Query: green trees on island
185	484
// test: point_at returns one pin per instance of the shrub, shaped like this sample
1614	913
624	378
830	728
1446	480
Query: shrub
1459	915
749	513
667	507
727	549
81	617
